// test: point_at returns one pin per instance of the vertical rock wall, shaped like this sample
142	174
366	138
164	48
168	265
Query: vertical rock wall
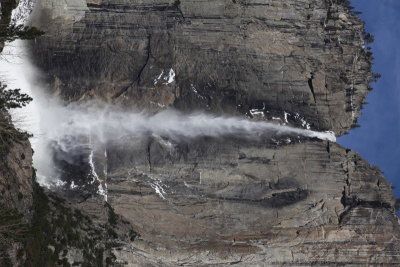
304	57
228	200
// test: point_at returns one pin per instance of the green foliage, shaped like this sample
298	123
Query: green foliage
345	3
9	134
376	77
38	252
52	226
57	227
12	229
369	38
12	98
10	33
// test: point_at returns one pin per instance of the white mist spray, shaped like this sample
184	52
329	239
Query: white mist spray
17	72
52	122
108	123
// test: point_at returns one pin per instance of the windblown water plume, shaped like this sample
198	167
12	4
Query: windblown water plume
64	133
69	134
109	123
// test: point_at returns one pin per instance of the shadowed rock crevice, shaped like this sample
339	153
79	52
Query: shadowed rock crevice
310	84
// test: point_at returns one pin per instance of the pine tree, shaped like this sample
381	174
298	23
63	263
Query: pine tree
10	33
12	98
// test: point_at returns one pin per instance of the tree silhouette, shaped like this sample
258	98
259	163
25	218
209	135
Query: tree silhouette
9	33
12	98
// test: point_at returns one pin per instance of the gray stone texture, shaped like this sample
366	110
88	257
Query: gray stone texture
300	56
227	200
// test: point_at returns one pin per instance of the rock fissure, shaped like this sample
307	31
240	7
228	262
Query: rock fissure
137	81
148	49
311	86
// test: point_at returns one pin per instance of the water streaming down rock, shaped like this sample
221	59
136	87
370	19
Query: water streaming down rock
70	131
67	133
200	193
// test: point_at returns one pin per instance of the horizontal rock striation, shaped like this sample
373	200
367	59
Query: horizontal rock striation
227	200
304	57
213	202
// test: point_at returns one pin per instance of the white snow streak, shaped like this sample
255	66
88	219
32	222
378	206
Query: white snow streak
157	186
101	190
171	76
167	79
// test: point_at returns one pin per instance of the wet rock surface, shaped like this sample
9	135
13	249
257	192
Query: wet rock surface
226	200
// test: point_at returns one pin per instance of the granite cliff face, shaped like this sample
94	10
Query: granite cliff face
16	187
226	200
303	57
244	203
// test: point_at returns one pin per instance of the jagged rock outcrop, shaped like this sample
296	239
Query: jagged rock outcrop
228	200
16	191
38	227
64	234
16	168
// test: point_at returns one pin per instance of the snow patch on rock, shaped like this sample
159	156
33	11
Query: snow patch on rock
165	78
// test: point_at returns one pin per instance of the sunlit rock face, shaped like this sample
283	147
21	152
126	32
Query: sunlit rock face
228	199
302	57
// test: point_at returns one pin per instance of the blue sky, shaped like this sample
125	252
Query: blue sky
378	139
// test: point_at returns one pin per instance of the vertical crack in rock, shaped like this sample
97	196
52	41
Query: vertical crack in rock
177	5
148	49
138	79
311	86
